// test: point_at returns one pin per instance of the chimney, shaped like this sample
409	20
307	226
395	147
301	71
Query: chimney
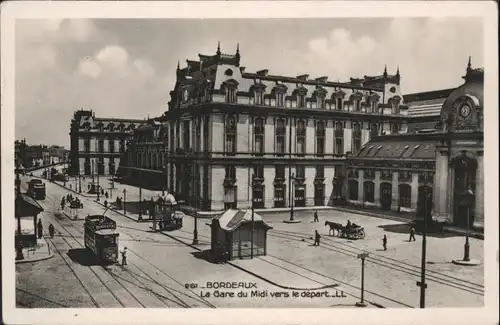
263	72
303	77
322	79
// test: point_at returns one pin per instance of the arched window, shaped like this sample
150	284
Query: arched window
353	190
369	191
395	129
339	138
258	131
338	103
301	137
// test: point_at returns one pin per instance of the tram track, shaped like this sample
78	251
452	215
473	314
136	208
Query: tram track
413	270
176	300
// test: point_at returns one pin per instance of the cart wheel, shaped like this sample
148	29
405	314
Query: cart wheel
362	234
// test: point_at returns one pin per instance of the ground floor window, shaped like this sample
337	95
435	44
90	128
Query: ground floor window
258	197
230	197
279	196
353	190
300	196
405	195
87	166
369	191
319	194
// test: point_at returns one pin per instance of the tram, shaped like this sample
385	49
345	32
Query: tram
36	189
101	237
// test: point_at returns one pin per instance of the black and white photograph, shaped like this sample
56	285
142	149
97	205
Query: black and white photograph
333	160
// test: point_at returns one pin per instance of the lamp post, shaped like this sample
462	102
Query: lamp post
79	183
290	174
98	186
362	303
195	231
140	194
19	248
164	180
92	163
291	183
125	201
422	283
468	195
253	213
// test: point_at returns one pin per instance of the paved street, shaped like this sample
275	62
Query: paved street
160	264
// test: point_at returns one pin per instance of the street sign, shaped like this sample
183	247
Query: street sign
363	255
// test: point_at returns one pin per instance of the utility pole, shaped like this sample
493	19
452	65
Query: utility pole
422	283
290	174
79	183
253	212
362	303
140	195
125	201
19	250
195	232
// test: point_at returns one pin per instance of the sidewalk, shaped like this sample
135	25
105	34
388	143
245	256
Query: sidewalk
40	252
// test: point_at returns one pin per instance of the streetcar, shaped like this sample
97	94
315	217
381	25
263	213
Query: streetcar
101	237
36	189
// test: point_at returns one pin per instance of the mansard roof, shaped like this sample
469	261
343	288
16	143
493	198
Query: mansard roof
398	149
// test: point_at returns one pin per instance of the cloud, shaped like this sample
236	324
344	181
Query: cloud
113	56
89	68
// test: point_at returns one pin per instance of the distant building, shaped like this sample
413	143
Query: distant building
98	143
224	125
394	172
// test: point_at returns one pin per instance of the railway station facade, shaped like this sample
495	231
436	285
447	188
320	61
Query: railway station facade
230	135
396	172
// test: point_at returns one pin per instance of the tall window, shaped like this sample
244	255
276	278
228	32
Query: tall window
357	105
373	105
369	191
111	142
186	134
280	172
258	131
230	173
178	134
101	145
259	97
300	172
230	135
230	95
86	145
320	171
373	130
301	137
395	105
356	138
258	172
280	137
338	102
321	102
206	142
301	101
339	138
320	138
405	195
279	196
280	99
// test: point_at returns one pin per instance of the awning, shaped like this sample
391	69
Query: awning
29	207
232	219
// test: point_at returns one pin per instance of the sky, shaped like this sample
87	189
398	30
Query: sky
126	67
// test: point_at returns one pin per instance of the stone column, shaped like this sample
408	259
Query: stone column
442	188
361	192
479	204
395	191
377	188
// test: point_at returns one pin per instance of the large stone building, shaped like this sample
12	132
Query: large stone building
395	172
225	124
98	143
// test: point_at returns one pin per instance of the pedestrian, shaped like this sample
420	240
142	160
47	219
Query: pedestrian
51	231
106	194
384	242
316	219
412	234
40	228
105	203
160	224
317	237
124	256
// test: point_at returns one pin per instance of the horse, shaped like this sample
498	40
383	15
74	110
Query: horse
334	226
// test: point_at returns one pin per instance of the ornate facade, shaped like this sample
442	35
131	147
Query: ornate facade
230	135
394	172
97	144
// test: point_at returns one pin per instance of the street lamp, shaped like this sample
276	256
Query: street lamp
362	303
19	248
422	283
79	183
125	201
253	212
164	180
468	196
195	231
140	194
291	182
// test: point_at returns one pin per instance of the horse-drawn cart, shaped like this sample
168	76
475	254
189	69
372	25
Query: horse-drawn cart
350	231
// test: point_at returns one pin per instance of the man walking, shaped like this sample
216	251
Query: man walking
316	219
124	256
412	234
316	238
40	228
384	242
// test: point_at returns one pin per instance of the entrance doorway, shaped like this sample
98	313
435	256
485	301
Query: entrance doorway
385	196
319	194
300	196
465	179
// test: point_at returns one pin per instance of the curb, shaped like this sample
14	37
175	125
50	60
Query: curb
37	259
